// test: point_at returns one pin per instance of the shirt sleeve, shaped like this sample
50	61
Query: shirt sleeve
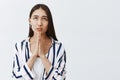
20	70
58	72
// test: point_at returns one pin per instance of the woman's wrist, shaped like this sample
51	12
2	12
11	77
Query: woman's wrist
42	56
34	56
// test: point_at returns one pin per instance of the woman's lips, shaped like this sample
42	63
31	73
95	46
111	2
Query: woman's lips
39	29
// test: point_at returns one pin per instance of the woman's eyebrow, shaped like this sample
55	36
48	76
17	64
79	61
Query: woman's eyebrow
38	16
44	16
35	15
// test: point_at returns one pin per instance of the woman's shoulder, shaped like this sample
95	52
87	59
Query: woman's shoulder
58	43
21	42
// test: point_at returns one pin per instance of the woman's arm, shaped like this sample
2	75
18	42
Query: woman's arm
58	70
47	64
31	61
21	69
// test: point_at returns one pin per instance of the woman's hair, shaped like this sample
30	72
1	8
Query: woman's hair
50	31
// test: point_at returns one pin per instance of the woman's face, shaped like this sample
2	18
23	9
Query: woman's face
39	21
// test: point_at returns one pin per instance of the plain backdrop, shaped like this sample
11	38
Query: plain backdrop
89	30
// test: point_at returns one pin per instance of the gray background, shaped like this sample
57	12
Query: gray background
89	30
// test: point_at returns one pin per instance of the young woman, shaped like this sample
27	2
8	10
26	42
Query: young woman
41	56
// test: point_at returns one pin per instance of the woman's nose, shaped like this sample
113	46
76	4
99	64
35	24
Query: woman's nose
39	22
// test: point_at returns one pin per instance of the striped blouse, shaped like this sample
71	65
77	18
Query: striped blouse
56	55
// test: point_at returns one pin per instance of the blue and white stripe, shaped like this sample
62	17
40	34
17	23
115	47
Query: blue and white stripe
56	55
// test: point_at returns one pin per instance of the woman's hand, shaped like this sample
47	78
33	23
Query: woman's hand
40	46
36	48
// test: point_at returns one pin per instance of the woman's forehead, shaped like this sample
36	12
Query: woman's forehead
39	12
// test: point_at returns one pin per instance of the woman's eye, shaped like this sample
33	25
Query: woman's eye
35	18
44	19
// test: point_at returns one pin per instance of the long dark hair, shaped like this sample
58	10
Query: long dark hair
50	31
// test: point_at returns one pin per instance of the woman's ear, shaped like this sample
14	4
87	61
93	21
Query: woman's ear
29	21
